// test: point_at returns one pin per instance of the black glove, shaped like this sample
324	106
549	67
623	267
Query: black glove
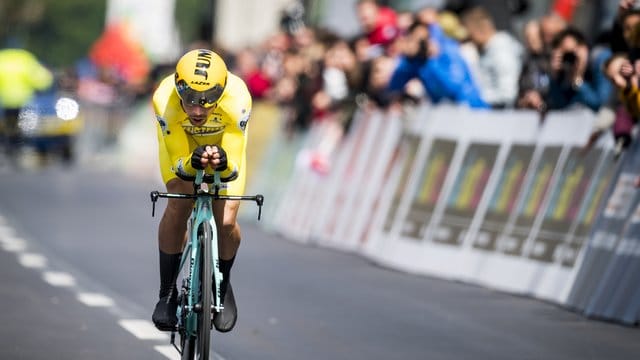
223	159
196	157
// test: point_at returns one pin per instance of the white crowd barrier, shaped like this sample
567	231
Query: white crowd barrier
488	197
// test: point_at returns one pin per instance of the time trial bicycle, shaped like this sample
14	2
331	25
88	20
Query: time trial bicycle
200	294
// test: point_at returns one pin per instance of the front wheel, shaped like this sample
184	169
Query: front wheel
197	347
203	338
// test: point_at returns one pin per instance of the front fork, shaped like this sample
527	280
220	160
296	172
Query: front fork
218	306
188	298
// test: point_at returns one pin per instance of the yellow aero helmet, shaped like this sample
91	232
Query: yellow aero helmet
200	77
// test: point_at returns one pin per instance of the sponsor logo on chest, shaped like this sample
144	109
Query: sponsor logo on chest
213	126
205	130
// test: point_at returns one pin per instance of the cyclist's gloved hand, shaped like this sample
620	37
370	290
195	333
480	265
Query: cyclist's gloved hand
197	155
223	159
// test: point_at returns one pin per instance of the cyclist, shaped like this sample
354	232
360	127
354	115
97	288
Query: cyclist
202	112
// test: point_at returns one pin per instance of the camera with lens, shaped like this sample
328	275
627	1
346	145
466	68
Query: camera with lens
567	70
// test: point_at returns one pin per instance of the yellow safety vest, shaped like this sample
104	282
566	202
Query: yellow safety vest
20	76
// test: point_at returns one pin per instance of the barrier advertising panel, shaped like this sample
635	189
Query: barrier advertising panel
489	197
563	208
503	203
433	174
464	199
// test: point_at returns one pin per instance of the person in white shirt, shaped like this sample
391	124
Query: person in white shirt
500	58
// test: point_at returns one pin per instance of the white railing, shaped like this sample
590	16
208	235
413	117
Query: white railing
487	197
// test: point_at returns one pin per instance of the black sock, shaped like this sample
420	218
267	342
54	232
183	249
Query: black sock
169	269
225	269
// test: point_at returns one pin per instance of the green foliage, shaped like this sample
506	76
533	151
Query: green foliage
58	32
189	15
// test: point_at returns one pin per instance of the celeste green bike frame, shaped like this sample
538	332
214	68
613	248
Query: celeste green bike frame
202	213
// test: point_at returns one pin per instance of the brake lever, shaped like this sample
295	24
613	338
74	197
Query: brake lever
259	202
154	199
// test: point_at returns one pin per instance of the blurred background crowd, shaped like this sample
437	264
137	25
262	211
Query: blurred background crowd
490	55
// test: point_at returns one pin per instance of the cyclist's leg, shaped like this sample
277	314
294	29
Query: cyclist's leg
226	213
171	237
173	225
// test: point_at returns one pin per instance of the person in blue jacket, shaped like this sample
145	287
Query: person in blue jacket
435	59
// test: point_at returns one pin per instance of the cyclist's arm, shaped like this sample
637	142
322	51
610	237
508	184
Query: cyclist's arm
177	145
234	140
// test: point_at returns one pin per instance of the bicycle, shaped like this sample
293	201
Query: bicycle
197	300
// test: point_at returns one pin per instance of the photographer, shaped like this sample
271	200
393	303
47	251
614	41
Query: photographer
576	76
533	82
438	65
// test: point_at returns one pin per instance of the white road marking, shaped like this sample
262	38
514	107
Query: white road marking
32	260
143	329
58	278
14	244
5	231
95	300
169	351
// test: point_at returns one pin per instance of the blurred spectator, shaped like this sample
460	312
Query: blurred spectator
248	68
362	48
341	80
620	71
533	83
550	25
404	21
451	25
624	74
623	70
334	103
622	110
119	53
438	65
303	38
445	29
630	22
21	76
566	9
502	11
295	89
377	77
500	58
273	57
379	23
577	77
626	20
292	18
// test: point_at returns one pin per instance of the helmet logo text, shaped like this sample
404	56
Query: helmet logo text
203	63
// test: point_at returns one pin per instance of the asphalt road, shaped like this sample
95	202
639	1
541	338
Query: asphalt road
78	268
